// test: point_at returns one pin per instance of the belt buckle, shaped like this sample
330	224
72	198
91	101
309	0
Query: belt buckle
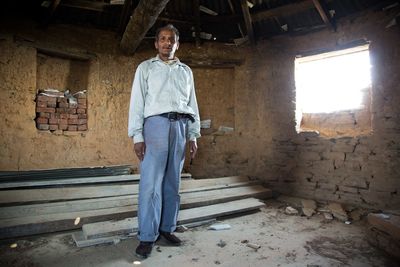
173	116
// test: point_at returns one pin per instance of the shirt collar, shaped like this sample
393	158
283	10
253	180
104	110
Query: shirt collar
175	61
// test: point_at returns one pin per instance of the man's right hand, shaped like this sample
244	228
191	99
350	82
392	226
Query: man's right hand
140	149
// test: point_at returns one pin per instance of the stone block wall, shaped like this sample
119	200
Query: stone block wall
361	169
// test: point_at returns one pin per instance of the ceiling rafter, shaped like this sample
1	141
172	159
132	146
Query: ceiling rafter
285	10
125	13
248	21
86	5
325	16
225	21
143	18
196	14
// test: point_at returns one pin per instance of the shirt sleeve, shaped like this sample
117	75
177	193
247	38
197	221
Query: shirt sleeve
136	107
194	127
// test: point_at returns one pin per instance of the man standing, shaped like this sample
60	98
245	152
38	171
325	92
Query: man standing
163	114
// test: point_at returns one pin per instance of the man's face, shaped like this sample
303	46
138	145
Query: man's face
167	44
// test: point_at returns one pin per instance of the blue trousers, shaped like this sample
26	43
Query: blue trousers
161	169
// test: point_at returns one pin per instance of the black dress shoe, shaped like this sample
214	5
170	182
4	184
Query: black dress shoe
173	239
144	249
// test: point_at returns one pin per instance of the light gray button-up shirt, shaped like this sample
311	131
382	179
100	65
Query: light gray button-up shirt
161	87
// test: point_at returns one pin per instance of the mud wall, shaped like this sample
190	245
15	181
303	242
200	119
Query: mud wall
255	98
361	170
33	59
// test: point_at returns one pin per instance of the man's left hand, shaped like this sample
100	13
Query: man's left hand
192	149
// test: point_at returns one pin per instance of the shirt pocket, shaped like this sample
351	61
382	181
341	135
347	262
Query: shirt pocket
182	85
158	84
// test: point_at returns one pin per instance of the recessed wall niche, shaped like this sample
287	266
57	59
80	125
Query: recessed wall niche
61	101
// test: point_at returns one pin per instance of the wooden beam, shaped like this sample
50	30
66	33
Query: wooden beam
76	181
143	18
189	200
87	5
121	201
117	2
50	10
196	14
177	20
73	220
285	10
21	211
126	11
84	192
322	12
207	11
248	21
60	222
13	176
390	226
129	225
219	210
50	51
233	12
204	19
71	181
212	63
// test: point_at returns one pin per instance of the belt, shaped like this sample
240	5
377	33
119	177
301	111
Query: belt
174	116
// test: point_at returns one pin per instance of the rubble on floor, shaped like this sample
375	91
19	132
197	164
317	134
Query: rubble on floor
383	230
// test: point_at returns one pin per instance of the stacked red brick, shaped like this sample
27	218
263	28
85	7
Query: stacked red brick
57	112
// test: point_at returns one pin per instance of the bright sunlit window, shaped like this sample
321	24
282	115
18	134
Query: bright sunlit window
332	81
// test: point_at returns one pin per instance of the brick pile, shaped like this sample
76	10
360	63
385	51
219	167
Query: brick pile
58	112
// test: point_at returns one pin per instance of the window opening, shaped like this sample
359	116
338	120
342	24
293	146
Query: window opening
333	84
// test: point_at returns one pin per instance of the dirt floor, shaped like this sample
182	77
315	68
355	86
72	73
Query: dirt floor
285	240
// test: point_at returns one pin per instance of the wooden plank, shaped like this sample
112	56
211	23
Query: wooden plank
87	5
110	228
58	194
71	172
64	54
121	201
84	192
212	63
67	221
81	241
63	172
197	199
66	206
130	225
74	181
387	223
60	222
218	210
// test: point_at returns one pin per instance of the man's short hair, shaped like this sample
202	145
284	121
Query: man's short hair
168	27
